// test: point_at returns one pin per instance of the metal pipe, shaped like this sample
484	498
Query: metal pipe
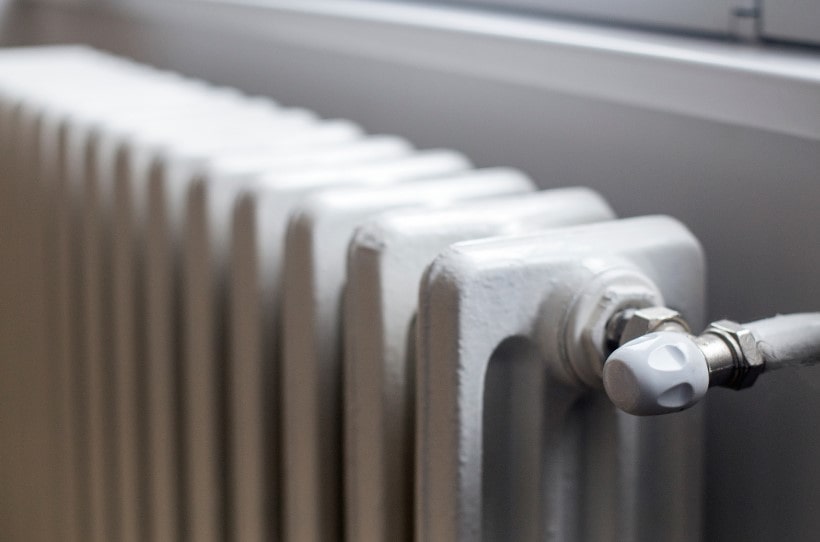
788	340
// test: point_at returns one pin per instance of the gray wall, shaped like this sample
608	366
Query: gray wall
751	196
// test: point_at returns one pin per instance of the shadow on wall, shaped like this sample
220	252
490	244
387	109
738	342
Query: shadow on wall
5	26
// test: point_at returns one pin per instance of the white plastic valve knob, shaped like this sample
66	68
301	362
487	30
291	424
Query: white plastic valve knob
658	373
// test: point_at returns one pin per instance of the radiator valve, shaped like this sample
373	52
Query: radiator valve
660	367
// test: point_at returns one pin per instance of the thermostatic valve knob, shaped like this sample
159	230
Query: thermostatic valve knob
667	371
658	373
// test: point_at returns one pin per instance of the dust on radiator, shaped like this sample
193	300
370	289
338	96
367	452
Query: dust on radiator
268	325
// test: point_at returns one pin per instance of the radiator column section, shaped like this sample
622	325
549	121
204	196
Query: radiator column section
258	324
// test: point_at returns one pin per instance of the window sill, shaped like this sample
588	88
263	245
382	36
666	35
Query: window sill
766	87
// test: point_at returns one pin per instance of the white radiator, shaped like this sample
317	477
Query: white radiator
268	326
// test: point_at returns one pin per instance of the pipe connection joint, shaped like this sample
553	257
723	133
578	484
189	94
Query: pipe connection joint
659	367
633	323
732	355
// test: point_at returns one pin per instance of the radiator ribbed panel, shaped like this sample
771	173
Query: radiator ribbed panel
232	289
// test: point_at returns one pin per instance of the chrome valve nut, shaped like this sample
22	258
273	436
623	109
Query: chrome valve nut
748	358
651	319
